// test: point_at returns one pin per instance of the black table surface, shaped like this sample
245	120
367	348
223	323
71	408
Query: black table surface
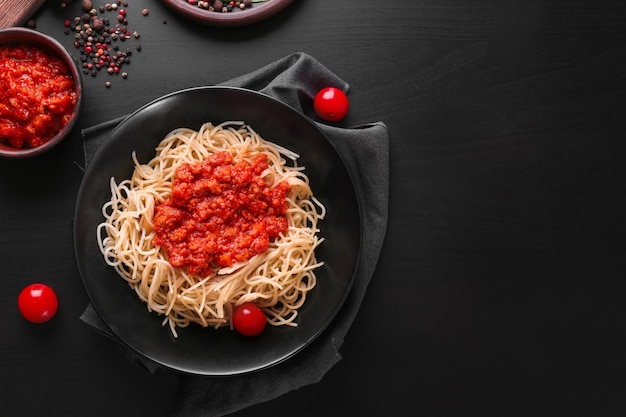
501	287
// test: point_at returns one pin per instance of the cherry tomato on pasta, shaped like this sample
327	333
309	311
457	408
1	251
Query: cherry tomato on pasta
38	303
331	104
249	319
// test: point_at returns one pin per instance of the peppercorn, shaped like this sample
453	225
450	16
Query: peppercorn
95	38
219	5
98	24
87	5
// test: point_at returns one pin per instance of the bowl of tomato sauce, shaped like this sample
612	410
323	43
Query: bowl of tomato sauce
40	92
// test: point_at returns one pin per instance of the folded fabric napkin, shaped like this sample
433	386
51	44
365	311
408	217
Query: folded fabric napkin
294	79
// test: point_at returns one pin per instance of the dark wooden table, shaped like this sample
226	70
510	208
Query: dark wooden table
501	289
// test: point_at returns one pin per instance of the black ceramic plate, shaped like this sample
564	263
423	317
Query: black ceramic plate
256	13
209	351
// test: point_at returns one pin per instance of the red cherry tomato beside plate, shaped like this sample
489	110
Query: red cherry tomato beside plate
331	104
38	303
249	319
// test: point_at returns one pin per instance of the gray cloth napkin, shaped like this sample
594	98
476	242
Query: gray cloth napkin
294	79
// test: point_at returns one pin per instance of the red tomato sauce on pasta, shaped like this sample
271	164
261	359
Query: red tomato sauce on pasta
220	212
37	96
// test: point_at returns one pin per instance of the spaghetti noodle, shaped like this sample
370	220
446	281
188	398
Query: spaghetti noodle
277	280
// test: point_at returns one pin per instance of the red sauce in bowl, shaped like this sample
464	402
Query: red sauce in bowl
220	212
37	96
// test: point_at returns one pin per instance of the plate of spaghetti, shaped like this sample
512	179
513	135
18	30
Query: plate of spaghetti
207	199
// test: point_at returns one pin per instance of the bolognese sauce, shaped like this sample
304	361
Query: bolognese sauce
220	212
37	96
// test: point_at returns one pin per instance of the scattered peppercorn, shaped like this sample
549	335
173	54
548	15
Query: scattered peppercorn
107	84
95	37
98	24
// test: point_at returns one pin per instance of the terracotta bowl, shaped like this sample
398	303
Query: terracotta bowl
24	36
236	18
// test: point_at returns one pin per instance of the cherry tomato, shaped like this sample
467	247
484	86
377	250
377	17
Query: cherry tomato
331	104
249	319
38	303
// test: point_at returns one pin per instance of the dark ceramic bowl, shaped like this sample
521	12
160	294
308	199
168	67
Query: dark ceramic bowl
256	13
208	351
24	36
